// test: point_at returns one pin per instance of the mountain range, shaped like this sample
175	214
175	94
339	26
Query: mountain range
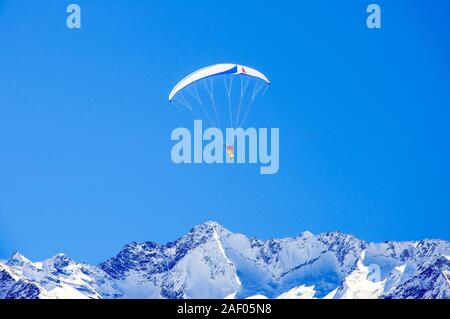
212	262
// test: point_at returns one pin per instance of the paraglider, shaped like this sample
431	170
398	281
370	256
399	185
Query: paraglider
230	151
220	93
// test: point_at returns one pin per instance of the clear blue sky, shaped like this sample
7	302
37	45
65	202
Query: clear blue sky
85	124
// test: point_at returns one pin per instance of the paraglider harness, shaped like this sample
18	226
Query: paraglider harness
229	150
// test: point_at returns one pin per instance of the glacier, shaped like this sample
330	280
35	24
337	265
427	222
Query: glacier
210	261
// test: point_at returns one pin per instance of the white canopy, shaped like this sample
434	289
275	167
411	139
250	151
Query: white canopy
216	69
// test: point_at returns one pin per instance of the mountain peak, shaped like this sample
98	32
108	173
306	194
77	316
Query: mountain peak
207	226
17	259
60	256
58	261
212	223
202	232
307	234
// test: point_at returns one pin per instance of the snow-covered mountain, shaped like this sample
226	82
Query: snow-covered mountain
212	262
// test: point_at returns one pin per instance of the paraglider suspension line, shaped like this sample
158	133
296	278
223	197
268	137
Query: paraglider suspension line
210	91
256	90
228	88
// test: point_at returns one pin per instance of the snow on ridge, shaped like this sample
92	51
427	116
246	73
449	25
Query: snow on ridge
210	261
301	292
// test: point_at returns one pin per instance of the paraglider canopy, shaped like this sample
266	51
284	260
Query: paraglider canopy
216	69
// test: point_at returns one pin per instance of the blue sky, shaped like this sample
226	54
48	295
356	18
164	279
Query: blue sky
85	124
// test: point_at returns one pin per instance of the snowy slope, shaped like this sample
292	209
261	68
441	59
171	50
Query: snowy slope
58	277
212	262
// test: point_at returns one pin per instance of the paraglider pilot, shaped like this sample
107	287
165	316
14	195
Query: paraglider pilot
230	151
